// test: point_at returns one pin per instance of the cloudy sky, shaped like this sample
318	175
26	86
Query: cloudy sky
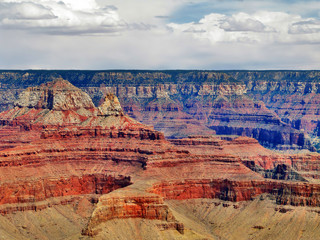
159	34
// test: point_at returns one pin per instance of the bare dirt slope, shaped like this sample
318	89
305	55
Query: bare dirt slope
258	219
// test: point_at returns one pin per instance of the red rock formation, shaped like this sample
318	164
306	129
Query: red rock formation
39	144
43	156
296	194
53	103
58	104
42	189
135	205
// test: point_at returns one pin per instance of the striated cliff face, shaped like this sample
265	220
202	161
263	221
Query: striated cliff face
55	105
58	95
57	102
296	194
227	109
42	189
34	134
279	108
134	205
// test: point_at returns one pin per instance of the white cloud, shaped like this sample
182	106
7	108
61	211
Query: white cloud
137	11
60	16
261	27
85	16
81	5
106	34
242	22
305	27
24	11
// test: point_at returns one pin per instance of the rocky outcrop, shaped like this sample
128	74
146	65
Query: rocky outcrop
55	105
245	117
122	206
58	95
38	143
110	106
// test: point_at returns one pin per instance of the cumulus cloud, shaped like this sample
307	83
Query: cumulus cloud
260	27
305	27
242	22
176	34
60	16
24	11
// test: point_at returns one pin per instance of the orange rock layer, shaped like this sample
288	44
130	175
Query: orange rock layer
286	193
132	206
76	132
42	189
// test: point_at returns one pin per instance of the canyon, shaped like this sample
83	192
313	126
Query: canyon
278	108
71	168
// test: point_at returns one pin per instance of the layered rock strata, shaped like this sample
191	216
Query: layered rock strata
45	157
259	159
42	189
133	205
296	194
181	103
130	169
40	158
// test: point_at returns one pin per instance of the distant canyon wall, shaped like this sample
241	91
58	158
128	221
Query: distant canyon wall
279	108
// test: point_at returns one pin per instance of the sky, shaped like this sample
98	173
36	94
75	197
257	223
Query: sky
160	34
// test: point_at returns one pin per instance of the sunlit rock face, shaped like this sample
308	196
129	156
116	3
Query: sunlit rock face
58	95
104	171
110	106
